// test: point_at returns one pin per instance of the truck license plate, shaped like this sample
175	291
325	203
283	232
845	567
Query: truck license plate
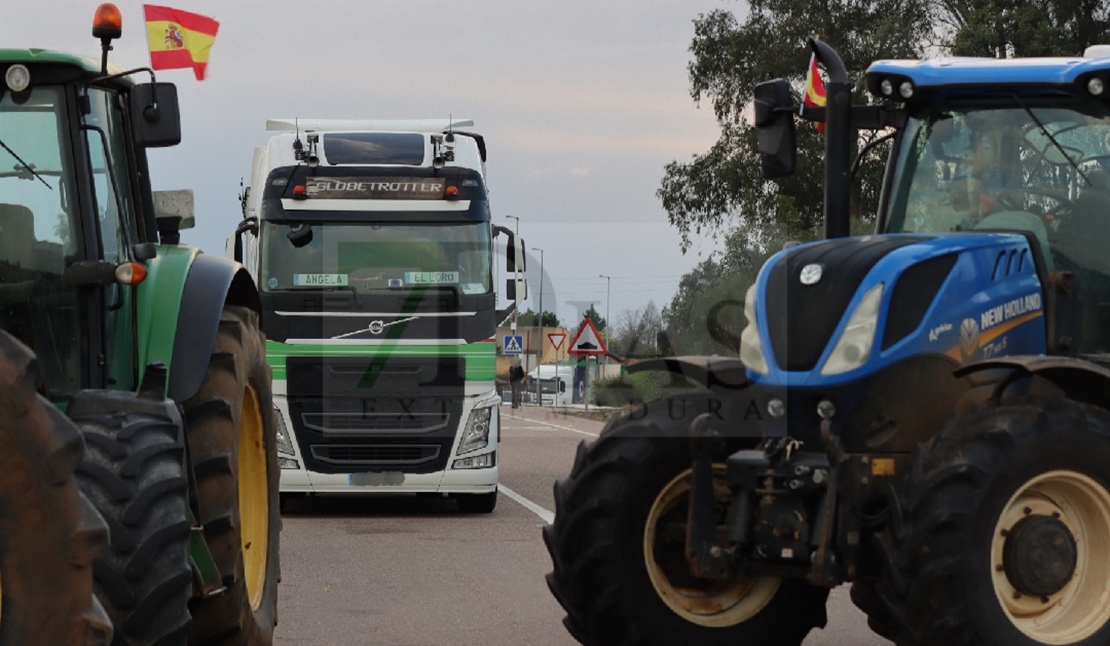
376	479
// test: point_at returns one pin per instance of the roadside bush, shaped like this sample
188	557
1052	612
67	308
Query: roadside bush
630	390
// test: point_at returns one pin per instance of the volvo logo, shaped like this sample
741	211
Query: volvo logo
375	327
811	274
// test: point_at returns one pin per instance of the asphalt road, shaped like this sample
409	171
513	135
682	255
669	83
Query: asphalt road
407	571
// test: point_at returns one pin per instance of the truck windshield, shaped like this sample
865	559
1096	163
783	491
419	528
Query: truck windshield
377	256
959	165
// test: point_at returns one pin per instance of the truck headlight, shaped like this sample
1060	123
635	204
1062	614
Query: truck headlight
751	351
284	441
853	348
476	434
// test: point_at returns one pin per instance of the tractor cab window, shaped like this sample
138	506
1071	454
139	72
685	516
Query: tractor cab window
111	180
116	218
39	230
1039	165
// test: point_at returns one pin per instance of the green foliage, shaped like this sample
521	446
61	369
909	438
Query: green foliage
598	319
724	187
527	318
1009	28
631	390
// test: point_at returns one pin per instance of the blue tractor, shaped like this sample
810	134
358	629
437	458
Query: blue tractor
923	413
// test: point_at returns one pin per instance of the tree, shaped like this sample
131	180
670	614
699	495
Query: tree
724	188
598	319
527	318
1008	28
636	332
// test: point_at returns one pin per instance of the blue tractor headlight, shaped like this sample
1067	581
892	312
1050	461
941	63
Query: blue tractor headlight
853	348
751	351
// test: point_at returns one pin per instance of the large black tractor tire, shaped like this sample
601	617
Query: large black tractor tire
134	472
1001	534
49	532
627	491
231	436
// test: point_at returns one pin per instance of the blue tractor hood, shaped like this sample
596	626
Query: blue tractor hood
962	297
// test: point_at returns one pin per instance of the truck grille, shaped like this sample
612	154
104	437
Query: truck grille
353	414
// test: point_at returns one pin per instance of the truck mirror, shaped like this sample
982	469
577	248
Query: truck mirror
155	115
515	252
774	122
562	386
510	289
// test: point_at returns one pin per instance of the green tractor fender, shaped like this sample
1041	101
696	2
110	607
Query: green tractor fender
180	303
1069	377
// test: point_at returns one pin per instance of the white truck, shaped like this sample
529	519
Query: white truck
555	384
371	244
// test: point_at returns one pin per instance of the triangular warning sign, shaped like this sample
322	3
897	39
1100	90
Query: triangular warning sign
587	340
557	339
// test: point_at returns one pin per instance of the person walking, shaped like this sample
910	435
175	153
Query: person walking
516	375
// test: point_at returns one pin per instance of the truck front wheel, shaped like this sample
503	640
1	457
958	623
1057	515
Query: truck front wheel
618	549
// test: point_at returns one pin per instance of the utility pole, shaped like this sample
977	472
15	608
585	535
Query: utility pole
608	280
539	340
516	284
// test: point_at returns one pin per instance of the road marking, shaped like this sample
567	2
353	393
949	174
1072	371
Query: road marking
547	516
558	426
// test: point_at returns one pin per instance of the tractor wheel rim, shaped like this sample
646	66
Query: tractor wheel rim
1081	605
254	499
717	604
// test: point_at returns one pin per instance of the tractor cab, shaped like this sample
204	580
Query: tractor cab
76	207
1037	164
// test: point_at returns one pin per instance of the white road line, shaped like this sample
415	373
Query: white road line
546	516
565	428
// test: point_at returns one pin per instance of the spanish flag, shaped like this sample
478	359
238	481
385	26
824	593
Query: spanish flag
179	39
815	90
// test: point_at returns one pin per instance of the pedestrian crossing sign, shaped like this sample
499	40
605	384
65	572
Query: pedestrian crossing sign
514	344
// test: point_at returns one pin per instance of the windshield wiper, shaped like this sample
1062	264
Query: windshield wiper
1048	135
25	165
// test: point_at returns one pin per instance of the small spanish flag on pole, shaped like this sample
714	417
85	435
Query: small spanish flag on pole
179	39
815	90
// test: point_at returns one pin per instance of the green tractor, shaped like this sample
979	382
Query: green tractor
147	511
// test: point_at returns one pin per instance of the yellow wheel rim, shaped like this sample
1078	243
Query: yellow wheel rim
1082	606
254	498
704	602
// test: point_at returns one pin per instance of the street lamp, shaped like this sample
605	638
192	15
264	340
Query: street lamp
608	281
539	338
516	272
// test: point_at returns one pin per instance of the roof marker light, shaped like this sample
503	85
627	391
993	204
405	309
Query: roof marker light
452	192
17	77
299	192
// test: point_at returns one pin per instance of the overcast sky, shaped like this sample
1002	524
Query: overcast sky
582	103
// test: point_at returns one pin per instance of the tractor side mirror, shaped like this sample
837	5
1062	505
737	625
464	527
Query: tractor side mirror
774	122
155	115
